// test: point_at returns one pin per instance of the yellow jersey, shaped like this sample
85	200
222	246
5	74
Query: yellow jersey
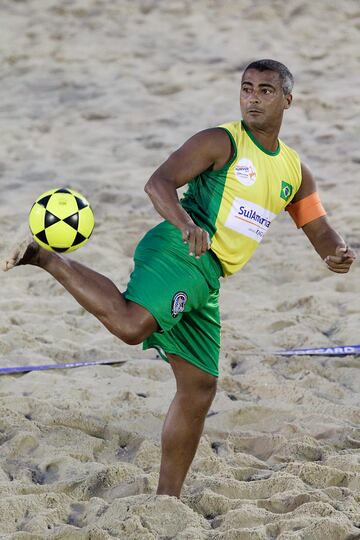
237	203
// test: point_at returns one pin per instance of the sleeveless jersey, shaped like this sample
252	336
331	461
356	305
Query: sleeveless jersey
237	203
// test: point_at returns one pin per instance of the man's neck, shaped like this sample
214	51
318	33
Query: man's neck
267	138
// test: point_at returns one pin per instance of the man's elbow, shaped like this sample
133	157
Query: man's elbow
157	183
149	186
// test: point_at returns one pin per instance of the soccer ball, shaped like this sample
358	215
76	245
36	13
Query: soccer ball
61	220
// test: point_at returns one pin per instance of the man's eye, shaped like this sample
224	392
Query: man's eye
267	91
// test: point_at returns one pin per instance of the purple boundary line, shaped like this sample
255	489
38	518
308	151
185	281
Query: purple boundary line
344	350
21	369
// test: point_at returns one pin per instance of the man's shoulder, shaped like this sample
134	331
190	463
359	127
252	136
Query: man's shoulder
234	127
234	123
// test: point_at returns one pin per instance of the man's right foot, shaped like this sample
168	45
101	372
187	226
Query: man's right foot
25	252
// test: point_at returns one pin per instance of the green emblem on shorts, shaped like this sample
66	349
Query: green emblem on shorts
286	191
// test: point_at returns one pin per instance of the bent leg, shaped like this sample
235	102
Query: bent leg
94	292
99	296
184	423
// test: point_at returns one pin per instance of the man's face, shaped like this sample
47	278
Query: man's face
262	100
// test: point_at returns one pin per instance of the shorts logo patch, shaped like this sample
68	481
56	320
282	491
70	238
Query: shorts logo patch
178	303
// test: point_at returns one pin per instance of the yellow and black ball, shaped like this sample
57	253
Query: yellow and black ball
61	220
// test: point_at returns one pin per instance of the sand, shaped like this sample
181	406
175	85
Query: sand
95	95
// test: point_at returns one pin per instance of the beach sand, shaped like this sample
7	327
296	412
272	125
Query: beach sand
94	96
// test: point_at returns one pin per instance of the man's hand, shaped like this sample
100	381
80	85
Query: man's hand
197	238
341	261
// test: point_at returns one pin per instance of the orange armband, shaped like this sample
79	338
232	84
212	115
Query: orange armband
306	210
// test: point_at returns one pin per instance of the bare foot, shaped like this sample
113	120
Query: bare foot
24	252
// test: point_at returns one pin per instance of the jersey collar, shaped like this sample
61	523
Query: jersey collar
256	142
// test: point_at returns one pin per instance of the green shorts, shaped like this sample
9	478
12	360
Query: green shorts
181	292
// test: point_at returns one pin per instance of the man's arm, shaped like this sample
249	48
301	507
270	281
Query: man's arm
327	242
209	149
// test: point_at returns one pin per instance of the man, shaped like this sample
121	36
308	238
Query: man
240	177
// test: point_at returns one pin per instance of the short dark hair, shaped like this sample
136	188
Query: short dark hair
286	77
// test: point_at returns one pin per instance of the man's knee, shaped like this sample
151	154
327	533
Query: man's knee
200	395
193	381
207	385
207	391
135	327
128	331
199	404
132	336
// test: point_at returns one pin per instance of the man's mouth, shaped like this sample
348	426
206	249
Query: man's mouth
255	111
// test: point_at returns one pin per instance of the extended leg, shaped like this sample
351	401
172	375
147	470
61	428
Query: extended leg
96	293
184	423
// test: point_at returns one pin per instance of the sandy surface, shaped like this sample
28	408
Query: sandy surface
94	95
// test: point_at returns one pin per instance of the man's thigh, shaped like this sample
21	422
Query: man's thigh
166	282
196	338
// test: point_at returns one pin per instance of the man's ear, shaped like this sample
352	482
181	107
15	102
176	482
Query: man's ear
288	101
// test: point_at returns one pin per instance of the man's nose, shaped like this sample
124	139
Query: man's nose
254	98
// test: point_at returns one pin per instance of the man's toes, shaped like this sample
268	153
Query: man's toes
22	253
8	264
5	265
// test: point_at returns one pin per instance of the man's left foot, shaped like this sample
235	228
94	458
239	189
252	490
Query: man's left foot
24	252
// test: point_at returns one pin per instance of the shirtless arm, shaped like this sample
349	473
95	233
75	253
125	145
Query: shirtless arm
327	242
208	149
